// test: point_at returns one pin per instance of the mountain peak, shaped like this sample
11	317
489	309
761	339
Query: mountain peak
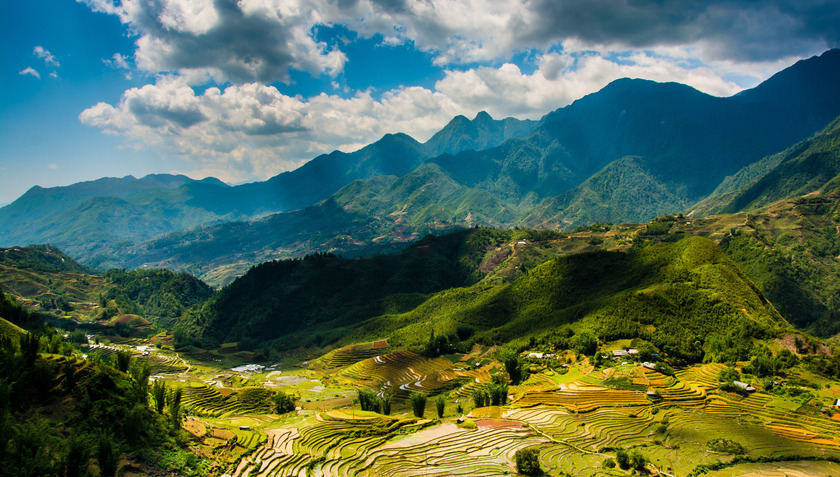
483	116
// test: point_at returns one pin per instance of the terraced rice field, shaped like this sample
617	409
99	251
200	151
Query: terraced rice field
405	372
201	400
584	398
355	353
574	426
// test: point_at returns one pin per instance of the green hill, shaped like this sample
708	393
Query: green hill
675	295
809	166
32	275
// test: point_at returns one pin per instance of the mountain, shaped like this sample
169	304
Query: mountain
463	281
41	257
483	132
97	220
809	166
630	152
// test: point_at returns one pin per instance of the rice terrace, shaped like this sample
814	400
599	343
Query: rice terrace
578	419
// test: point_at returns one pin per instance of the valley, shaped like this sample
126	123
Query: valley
642	282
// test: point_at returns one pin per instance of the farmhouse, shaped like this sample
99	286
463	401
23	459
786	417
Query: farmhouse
620	353
745	386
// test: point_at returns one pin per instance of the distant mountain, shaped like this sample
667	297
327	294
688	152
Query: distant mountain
630	152
96	220
809	166
481	133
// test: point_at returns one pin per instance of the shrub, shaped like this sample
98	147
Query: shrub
283	402
440	402
726	446
368	400
418	403
528	462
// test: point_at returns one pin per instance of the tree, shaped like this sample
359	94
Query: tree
622	459
418	403
123	360
368	400
76	456
528	462
513	364
283	402
480	397
175	407
159	395
498	394
140	372
728	375
106	456
638	461
385	402
440	402
586	343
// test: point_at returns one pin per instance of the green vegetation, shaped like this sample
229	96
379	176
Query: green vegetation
528	462
726	446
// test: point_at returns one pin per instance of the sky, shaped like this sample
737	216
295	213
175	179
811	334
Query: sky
242	90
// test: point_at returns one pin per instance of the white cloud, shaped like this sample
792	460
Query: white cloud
223	40
252	131
30	71
45	55
117	61
52	166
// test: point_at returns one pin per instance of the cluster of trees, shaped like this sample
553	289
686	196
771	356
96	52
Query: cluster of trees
160	295
494	394
103	404
634	460
369	401
765	363
106	411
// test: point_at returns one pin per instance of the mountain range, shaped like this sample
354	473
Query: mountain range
630	152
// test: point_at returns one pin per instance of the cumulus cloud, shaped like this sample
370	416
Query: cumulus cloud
117	61
261	40
721	29
249	130
226	40
252	131
30	71
45	55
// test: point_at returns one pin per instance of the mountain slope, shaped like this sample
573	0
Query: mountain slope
673	294
807	167
624	188
483	132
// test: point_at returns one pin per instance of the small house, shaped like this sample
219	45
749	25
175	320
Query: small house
244	428
745	386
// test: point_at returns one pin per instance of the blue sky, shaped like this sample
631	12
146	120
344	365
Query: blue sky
245	90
